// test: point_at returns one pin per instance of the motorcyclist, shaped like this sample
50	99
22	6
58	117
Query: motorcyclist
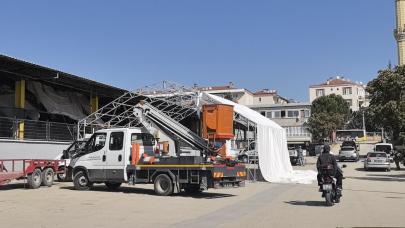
326	159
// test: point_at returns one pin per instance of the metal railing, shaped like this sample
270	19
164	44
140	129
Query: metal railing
37	130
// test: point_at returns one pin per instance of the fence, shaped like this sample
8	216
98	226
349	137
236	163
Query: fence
38	130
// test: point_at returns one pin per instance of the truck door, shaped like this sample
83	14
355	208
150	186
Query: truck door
115	166
96	156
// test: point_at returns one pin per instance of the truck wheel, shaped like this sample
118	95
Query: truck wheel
112	185
163	185
47	177
34	179
81	181
61	176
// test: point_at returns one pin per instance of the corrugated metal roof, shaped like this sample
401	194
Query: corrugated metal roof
22	69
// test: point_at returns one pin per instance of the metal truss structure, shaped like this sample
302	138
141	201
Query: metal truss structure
172	99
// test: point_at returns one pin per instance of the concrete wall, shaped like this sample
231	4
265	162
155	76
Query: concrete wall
24	149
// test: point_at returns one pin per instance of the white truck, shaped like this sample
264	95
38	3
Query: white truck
134	155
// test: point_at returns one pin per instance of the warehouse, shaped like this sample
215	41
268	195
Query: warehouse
40	106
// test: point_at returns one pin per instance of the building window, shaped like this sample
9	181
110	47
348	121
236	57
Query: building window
293	114
277	114
307	113
349	102
347	90
260	99
269	115
320	92
282	114
263	113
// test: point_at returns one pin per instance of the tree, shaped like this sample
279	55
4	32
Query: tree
356	120
328	113
387	99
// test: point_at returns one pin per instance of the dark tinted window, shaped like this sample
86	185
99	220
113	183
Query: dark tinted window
347	148
378	155
348	143
96	142
116	140
143	138
383	148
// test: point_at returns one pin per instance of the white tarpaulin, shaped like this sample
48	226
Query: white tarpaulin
274	160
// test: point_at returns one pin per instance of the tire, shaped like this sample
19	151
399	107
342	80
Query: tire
328	199
337	200
47	177
61	176
163	185
112	185
34	179
81	181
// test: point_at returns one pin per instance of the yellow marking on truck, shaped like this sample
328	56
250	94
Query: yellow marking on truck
241	174
174	166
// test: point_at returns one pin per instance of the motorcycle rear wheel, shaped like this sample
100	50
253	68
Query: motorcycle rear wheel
328	199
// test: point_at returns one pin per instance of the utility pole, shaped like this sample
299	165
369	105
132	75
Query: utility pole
364	126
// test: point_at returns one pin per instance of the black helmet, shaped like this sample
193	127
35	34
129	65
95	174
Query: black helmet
326	149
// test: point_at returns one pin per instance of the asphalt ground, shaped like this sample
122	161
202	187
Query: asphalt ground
370	199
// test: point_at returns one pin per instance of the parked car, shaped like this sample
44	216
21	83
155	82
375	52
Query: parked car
318	149
249	154
351	143
67	155
377	160
293	155
312	149
387	148
348	153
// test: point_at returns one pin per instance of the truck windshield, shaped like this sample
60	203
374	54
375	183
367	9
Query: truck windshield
96	142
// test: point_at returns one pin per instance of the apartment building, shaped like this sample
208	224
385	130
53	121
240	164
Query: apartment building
244	96
292	117
353	92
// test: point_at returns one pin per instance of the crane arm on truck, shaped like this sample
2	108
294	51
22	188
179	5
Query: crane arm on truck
145	112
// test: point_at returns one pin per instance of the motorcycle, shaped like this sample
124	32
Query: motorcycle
329	188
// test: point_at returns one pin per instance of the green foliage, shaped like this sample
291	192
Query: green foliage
387	94
328	113
356	120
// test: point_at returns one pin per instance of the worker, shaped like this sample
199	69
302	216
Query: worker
300	156
326	159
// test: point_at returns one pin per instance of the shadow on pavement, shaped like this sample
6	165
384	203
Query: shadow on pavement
13	186
378	178
307	203
371	170
371	191
129	190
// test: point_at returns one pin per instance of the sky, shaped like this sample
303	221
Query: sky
256	44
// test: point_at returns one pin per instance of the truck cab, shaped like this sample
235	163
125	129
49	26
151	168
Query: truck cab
108	151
